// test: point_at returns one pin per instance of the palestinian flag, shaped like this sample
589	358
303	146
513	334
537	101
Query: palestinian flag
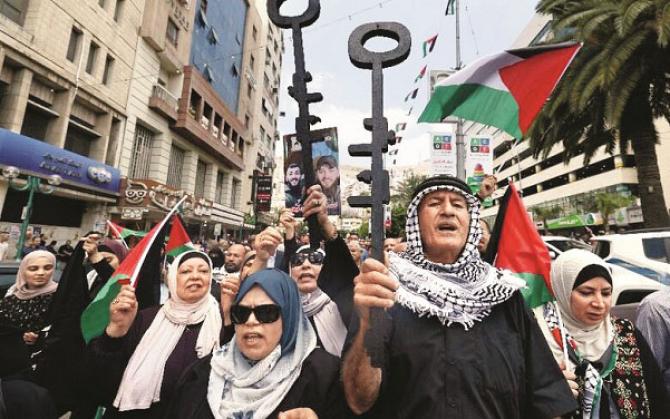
429	45
400	126
179	241
422	73
517	246
144	261
505	90
412	95
120	232
410	111
451	8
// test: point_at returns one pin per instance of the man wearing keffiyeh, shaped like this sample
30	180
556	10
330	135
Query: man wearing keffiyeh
459	341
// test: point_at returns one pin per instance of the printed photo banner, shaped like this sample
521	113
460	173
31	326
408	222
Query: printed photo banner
478	162
443	154
325	158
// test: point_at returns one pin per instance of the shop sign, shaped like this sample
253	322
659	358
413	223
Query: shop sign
575	220
263	193
37	158
147	193
130	213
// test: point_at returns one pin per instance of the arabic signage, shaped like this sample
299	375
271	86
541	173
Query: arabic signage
37	158
443	155
149	194
478	163
263	193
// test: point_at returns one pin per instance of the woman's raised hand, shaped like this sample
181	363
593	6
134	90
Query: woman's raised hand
122	312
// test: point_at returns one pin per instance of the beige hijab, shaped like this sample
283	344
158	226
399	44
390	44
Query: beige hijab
20	288
592	341
143	377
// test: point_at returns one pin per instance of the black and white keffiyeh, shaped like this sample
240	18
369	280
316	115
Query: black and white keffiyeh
462	292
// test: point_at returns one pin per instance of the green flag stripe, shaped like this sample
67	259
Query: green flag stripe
536	292
474	102
95	318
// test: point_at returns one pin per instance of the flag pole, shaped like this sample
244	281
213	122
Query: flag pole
460	140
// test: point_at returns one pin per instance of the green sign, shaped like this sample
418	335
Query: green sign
574	220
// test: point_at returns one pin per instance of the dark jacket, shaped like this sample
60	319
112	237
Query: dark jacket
318	388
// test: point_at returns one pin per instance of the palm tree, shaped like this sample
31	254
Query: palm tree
546	213
614	90
607	203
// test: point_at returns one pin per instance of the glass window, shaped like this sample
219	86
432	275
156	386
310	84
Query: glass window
200	175
218	194
657	248
235	194
140	160
73	45
92	57
118	11
172	33
109	66
13	10
175	167
602	248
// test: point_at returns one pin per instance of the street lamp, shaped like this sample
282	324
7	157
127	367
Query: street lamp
33	184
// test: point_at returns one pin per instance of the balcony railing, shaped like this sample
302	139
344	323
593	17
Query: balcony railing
164	102
162	93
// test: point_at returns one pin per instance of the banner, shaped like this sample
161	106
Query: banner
325	160
478	163
443	154
263	193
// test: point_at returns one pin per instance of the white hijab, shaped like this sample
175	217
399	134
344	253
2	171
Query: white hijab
143	377
592	341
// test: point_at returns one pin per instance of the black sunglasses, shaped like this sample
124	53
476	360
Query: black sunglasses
315	258
266	313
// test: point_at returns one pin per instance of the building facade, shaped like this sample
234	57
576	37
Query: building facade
65	69
567	186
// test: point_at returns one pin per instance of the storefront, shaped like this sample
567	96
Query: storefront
73	195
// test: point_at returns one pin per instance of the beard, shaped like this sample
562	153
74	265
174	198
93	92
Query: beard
231	267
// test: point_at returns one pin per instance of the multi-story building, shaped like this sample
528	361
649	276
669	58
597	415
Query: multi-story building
259	98
183	136
65	71
550	182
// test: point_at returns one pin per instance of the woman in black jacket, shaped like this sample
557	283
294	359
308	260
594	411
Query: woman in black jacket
271	365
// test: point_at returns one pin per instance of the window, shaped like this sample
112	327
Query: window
234	71
262	133
247	121
175	167
172	32
249	89
212	37
109	66
13	10
92	56
203	6
657	248
101	3
254	33
73	45
235	194
252	63
118	11
218	192
140	160
200	175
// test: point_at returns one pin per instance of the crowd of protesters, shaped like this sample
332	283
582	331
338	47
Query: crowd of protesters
272	328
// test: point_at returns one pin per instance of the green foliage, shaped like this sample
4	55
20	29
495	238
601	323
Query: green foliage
615	88
364	229
405	190
398	219
546	213
607	203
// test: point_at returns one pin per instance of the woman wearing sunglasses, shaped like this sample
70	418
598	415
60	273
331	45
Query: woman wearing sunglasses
272	367
324	278
137	362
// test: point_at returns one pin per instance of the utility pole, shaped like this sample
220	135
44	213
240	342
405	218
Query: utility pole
460	137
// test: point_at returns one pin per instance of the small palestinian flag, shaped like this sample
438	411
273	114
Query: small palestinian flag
400	126
142	261
517	246
505	90
412	95
422	73
393	152
451	8
410	111
429	45
120	232
398	140
179	241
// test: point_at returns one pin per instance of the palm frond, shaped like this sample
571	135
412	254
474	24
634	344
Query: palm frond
633	12
663	26
620	50
625	84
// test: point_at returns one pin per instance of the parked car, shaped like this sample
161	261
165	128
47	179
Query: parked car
8	272
559	244
645	253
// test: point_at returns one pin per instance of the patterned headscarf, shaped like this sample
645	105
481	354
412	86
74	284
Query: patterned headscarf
462	292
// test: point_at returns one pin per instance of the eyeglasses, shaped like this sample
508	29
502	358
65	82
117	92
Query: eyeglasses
266	313
315	258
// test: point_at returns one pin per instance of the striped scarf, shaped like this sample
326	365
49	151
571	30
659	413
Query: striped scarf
463	292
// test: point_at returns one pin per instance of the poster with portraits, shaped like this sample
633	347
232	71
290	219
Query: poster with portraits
325	161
